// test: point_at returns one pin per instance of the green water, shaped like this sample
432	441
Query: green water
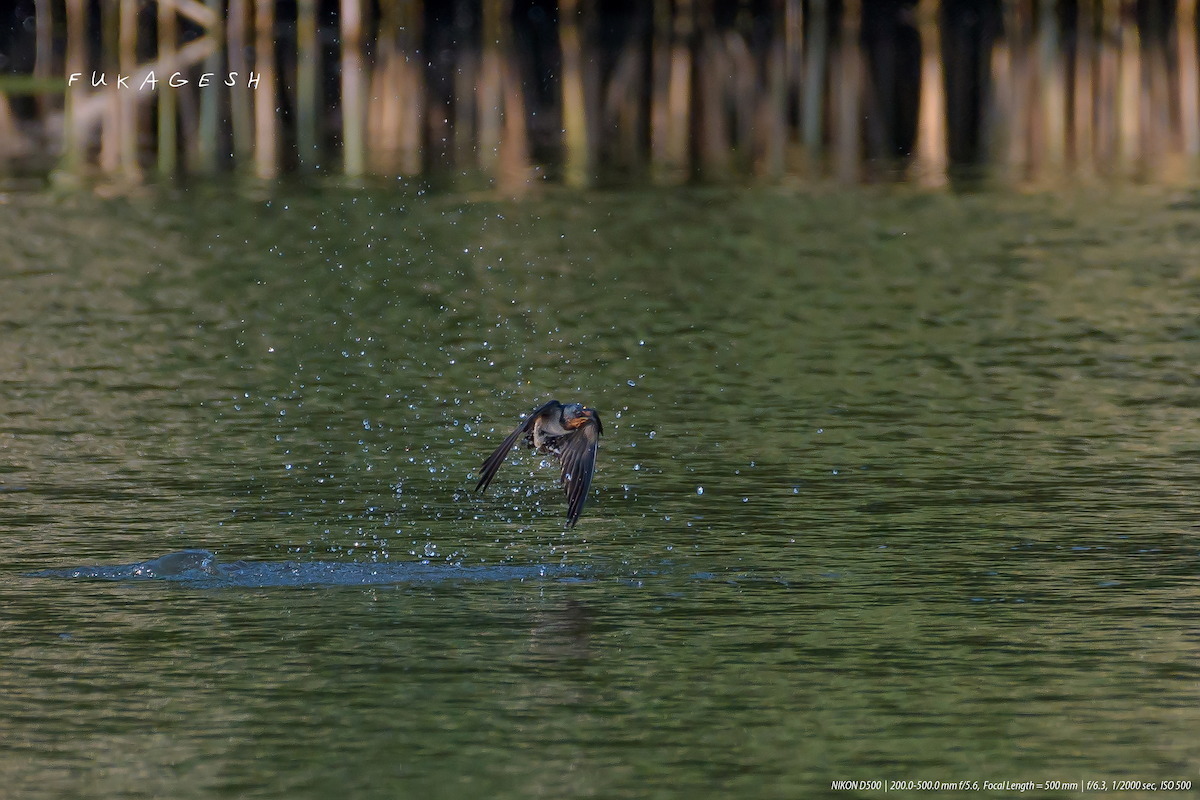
894	487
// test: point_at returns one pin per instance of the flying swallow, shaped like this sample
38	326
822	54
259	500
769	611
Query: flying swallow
570	432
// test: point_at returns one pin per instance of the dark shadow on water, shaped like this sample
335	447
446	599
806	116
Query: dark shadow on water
200	568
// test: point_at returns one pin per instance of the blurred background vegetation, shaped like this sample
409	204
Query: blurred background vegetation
508	93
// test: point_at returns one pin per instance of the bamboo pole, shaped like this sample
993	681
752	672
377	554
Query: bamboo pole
793	37
997	123
240	117
490	88
385	94
395	112
773	103
395	118
932	142
670	134
204	150
111	129
1163	140
43	63
353	117
266	121
1106	94
513	168
1020	155
712	66
308	64
1051	92
1159	141
577	145
847	88
167	139
412	123
812	115
622	108
76	60
1082	132
1129	103
743	91
1189	80
467	114
131	169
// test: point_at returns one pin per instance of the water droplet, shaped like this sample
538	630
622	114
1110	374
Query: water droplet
699	490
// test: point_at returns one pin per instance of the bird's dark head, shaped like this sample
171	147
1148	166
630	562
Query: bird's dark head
576	415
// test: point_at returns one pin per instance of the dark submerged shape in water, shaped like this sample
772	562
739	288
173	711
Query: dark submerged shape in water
572	433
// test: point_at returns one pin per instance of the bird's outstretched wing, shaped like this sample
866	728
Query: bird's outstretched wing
578	464
493	462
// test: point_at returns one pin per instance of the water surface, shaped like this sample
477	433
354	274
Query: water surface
894	486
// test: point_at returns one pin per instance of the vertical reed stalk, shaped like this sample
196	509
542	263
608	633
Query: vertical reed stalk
816	57
308	66
512	176
1189	79
847	120
76	58
112	132
713	141
1160	134
385	104
773	103
395	117
266	122
43	63
204	151
932	158
168	135
670	134
577	167
131	168
1020	159
467	114
743	90
1129	101
622	108
490	87
411	63
353	141
997	119
1081	153
1052	91
240	116
793	38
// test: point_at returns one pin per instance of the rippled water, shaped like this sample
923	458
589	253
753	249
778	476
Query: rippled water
894	486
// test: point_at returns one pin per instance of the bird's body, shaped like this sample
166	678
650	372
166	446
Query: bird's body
569	431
